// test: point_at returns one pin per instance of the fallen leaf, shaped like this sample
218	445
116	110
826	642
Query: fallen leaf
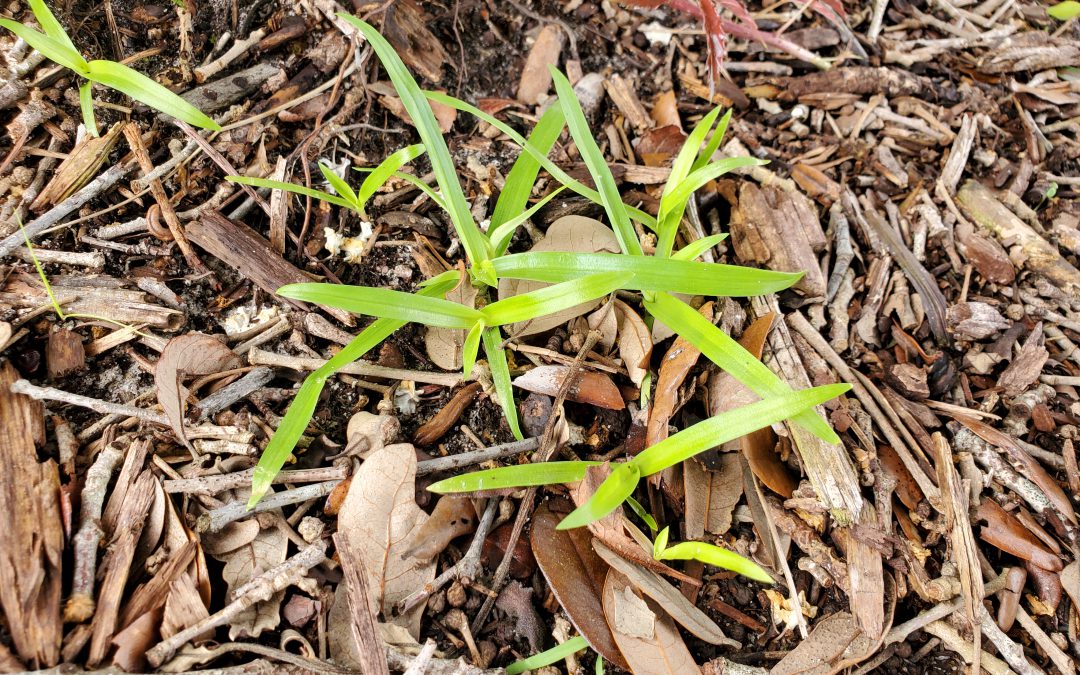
635	342
575	234
1005	532
576	575
676	365
191	354
665	110
453	516
443	345
655	651
589	386
821	651
604	321
381	520
711	495
535	77
906	488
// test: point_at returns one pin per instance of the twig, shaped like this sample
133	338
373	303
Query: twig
205	72
222	398
233	511
259	357
97	405
212	485
472	457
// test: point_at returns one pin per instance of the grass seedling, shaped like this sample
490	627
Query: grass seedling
710	554
553	655
55	45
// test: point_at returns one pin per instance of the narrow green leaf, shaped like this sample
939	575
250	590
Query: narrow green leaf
598	168
339	185
660	543
52	49
415	103
500	377
147	91
714	142
303	405
291	187
502	234
608	497
1063	11
645	516
423	187
546	658
650	273
86	104
385	303
684	161
470	348
725	352
50	24
717	557
730	425
386	168
554	298
695	248
521	475
541	157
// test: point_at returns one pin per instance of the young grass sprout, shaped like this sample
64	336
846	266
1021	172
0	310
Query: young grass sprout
55	45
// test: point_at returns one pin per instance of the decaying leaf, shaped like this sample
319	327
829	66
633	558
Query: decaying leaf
635	342
574	234
1008	534
646	636
576	576
827	650
453	516
677	363
589	386
443	345
191	354
711	495
381	520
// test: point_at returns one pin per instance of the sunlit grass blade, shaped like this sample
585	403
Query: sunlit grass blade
291	187
51	48
303	405
695	248
86	104
546	658
501	235
714	142
147	91
423	187
470	348
549	166
645	516
521	475
597	165
730	425
385	303
500	377
725	352
386	168
50	24
552	299
650	274
688	154
717	557
608	497
339	184
416	104
519	182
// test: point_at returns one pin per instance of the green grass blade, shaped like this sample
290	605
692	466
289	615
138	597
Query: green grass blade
303	405
714	142
416	104
730	425
470	348
552	299
717	557
385	304
688	154
291	187
386	168
546	658
52	49
725	352
86	104
339	185
501	235
695	248
50	24
598	168
650	274
423	187
147	91
609	496
522	475
519	182
500	377
541	157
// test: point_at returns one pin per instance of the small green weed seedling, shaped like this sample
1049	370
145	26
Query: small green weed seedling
55	45
710	554
576	277
553	655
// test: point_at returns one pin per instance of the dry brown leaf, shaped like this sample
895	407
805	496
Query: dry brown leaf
1005	532
133	642
665	110
906	488
183	607
443	345
822	652
453	516
381	520
589	386
191	354
575	234
677	363
604	321
646	636
535	77
635	342
711	495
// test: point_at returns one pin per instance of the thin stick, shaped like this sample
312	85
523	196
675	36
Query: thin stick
473	457
259	357
215	520
212	485
97	405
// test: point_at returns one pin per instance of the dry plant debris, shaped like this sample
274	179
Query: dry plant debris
923	175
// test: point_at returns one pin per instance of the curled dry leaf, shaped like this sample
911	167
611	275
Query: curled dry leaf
906	488
677	363
381	520
711	495
436	427
576	576
605	322
191	354
646	636
1008	534
453	516
833	644
574	234
635	342
588	387
443	345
